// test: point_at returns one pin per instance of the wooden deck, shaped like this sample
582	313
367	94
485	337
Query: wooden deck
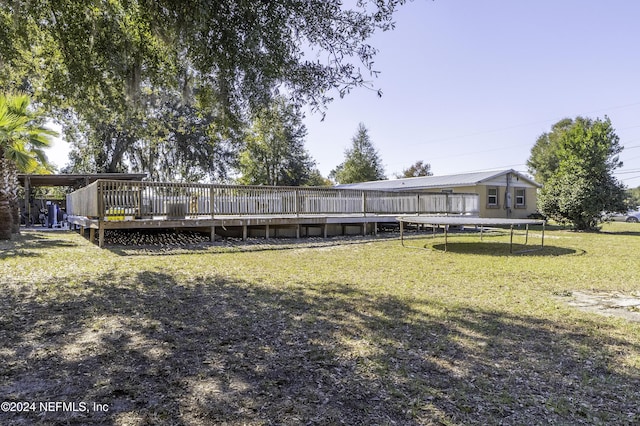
111	204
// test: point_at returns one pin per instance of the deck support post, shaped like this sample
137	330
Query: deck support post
212	236
375	228
266	231
101	236
324	230
298	231
244	232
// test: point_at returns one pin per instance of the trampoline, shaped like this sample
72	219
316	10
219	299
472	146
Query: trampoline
447	221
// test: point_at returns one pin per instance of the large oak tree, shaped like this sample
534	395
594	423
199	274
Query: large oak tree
117	72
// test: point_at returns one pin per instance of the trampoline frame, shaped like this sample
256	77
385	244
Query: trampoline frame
471	221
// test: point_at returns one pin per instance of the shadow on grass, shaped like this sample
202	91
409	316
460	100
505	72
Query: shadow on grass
625	233
31	244
502	249
251	245
216	351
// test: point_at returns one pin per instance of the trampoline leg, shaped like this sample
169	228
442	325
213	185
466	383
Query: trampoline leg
511	241
445	237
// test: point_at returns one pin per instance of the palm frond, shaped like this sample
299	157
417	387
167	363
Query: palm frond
19	155
22	135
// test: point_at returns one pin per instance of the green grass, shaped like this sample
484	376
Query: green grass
356	332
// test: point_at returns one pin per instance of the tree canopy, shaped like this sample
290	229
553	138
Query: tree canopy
543	161
362	162
417	169
117	73
633	198
580	157
274	152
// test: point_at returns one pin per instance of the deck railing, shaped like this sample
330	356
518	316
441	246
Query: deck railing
128	200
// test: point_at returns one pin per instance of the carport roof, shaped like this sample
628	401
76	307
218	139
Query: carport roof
75	180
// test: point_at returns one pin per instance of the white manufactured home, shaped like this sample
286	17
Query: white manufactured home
501	194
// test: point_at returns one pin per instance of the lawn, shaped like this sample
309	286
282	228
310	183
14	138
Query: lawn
356	332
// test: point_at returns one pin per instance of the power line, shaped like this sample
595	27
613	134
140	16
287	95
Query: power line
531	123
626	172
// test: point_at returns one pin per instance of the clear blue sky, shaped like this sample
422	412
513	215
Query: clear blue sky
469	85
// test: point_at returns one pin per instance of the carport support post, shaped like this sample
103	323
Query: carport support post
27	202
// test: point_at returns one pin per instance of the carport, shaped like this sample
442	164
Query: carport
75	181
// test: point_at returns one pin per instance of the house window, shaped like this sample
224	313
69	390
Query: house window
492	197
520	198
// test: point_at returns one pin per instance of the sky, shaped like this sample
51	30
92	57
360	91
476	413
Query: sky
469	85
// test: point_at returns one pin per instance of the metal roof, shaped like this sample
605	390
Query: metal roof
75	180
426	182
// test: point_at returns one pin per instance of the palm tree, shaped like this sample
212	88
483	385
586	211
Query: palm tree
22	143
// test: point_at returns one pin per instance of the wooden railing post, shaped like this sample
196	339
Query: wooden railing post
447	203
211	201
364	203
100	191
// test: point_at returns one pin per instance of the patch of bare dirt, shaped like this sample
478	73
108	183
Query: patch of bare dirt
610	303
